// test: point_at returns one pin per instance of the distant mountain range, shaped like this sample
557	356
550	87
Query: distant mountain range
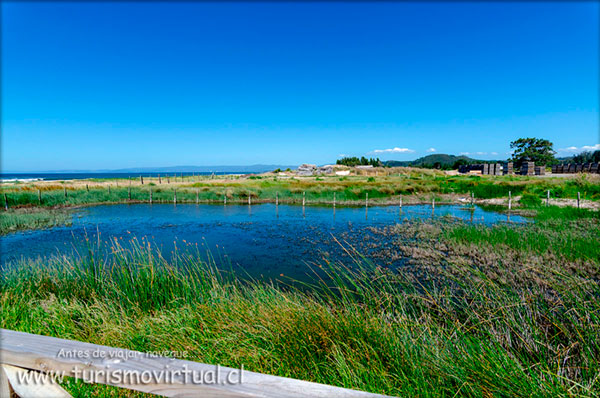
448	161
445	161
255	168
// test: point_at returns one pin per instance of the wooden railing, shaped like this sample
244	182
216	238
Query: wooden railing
32	364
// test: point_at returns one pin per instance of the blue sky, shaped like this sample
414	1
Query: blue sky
112	85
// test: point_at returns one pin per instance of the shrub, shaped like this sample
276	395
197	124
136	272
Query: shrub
387	190
531	200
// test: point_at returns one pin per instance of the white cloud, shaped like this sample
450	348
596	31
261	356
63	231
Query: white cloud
591	147
393	150
574	149
431	150
479	153
569	149
342	155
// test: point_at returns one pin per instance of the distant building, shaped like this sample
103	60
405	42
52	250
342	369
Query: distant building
485	168
306	170
327	169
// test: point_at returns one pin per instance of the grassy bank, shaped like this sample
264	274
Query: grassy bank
413	185
27	218
475	313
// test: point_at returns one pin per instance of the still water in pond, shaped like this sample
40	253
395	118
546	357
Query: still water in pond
263	240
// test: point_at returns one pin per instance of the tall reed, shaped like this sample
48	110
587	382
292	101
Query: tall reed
459	330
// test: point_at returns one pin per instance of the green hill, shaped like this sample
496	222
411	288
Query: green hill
440	160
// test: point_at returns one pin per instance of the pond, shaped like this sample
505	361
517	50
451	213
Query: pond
263	240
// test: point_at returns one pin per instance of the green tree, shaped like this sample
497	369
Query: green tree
375	162
354	161
587	157
536	150
349	161
460	162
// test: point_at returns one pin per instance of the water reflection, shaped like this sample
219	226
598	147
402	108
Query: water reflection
263	239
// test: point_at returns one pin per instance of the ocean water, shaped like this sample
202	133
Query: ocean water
26	177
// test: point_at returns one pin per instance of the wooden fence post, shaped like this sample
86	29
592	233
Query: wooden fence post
65	191
334	199
367	200
39	196
5	202
276	198
142	180
225	199
175	196
150	195
197	196
432	203
578	199
87	188
159	180
472	198
249	199
509	200
303	198
109	189
400	202
129	192
548	198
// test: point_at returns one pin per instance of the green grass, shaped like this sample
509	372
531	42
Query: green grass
547	235
22	219
567	232
530	200
478	311
350	190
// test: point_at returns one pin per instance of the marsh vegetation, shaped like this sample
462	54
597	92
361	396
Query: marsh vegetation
32	218
383	186
505	310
